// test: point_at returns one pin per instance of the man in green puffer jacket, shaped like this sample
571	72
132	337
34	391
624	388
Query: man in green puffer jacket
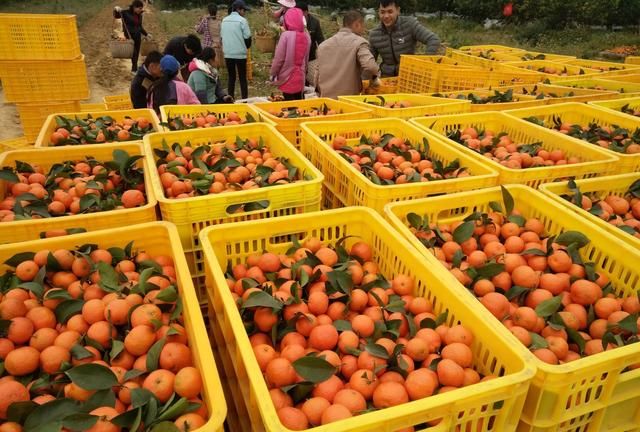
398	35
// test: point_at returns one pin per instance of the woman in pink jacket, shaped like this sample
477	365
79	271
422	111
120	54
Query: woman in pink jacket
289	66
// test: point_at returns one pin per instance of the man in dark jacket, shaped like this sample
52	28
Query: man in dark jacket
313	26
132	27
146	75
184	49
398	35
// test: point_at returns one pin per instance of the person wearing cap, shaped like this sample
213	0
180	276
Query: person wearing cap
289	65
184	49
236	40
169	90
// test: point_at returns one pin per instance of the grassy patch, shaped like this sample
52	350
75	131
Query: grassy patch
81	8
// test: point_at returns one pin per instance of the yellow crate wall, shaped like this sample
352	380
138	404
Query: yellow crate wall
632	78
118	102
600	84
89	107
23	230
290	127
38	37
595	161
50	125
576	396
191	215
33	115
46	80
470	408
531	55
15	143
387	85
497	48
634	60
456	80
520	101
422	74
157	238
585	114
606	69
421	105
580	94
599	187
353	189
219	110
568	69
618	104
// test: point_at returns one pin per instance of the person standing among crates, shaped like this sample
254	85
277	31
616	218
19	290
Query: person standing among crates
209	28
144	78
397	35
132	28
236	41
289	65
169	89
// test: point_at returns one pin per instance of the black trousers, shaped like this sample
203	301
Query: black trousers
239	66
292	96
137	41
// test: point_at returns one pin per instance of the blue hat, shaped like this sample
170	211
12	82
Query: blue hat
239	4
169	64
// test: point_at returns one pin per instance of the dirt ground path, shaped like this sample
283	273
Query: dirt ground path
107	76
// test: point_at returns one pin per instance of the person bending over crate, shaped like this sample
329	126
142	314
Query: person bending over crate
184	49
132	28
169	90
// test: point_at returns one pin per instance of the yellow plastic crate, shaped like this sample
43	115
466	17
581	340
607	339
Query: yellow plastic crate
387	85
422	74
600	84
33	115
14	143
45	80
497	48
89	107
579	94
571	71
532	55
50	124
470	408
617	104
606	69
38	37
18	231
635	60
193	214
577	113
596	161
632	78
600	187
474	58
591	394
421	105
353	188
157	238
118	102
219	110
290	127
459	79
520	101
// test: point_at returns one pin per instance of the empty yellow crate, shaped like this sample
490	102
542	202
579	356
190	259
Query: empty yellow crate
420	105
600	84
387	85
45	80
88	107
14	143
596	161
555	94
561	397
465	409
576	113
353	188
38	37
219	110
635	60
618	104
599	187
118	102
50	125
193	214
157	238
519	101
290	127
422	74
561	69
33	115
23	230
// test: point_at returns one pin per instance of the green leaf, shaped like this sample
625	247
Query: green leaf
262	299
92	376
79	352
572	237
153	356
536	252
68	308
109	280
537	342
19	411
549	307
314	369
8	175
629	324
489	270
100	398
169	294
129	419
299	391
116	348
79	422
415	220
517	219
377	350
133	373
50	413
507	199
165	426
442	318
464	232
140	397
516	291
342	325
18	258
176	410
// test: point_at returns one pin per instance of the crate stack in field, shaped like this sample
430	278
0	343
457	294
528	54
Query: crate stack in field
41	67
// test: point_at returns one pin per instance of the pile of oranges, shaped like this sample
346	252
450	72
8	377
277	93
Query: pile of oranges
629	110
222	167
387	159
382	102
205	120
334	338
537	285
89	130
95	333
72	187
621	211
500	148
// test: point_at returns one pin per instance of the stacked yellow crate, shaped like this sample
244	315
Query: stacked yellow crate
41	67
